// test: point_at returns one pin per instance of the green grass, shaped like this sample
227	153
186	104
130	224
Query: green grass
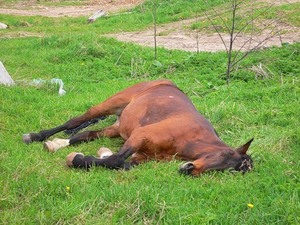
38	188
44	2
141	17
287	14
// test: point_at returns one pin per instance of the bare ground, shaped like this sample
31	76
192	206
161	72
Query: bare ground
31	8
175	35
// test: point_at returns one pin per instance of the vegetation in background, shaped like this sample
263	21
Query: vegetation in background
37	187
286	12
242	17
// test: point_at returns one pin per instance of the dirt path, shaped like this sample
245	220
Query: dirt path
175	35
30	8
178	35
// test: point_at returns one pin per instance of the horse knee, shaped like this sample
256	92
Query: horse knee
111	132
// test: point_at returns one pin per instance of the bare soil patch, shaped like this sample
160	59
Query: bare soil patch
31	8
178	35
175	35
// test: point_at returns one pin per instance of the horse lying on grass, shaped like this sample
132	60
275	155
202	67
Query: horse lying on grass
157	122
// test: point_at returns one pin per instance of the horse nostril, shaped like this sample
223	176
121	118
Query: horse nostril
246	165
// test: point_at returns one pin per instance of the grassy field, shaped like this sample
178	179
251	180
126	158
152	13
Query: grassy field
38	188
286	13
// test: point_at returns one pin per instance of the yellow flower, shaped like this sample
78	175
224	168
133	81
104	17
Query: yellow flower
68	189
250	205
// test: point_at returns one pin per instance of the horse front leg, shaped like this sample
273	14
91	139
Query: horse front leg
115	161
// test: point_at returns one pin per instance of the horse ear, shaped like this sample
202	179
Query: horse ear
243	149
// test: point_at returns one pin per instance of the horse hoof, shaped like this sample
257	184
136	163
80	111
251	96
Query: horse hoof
48	145
187	168
104	153
26	138
73	158
53	146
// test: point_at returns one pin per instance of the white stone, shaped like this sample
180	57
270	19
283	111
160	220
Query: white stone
5	78
3	26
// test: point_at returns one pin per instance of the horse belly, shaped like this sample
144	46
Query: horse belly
129	120
157	110
146	111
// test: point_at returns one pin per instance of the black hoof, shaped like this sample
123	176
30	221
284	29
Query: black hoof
186	168
74	159
27	138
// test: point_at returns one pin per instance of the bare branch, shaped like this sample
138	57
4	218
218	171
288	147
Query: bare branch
234	58
240	49
229	61
270	35
223	21
252	29
154	16
255	48
197	33
251	21
218	32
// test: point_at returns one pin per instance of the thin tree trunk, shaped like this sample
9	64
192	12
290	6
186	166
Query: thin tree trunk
155	28
229	62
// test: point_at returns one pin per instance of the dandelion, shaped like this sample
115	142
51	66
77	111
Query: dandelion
68	188
250	205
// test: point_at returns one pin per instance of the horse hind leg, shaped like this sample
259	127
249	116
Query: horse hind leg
56	144
44	134
84	125
72	125
111	132
113	105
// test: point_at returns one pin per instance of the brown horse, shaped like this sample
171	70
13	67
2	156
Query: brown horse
157	121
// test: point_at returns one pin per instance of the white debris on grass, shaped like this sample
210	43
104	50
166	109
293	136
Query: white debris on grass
5	78
40	82
61	90
96	15
3	26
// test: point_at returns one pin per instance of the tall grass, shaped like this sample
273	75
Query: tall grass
38	188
